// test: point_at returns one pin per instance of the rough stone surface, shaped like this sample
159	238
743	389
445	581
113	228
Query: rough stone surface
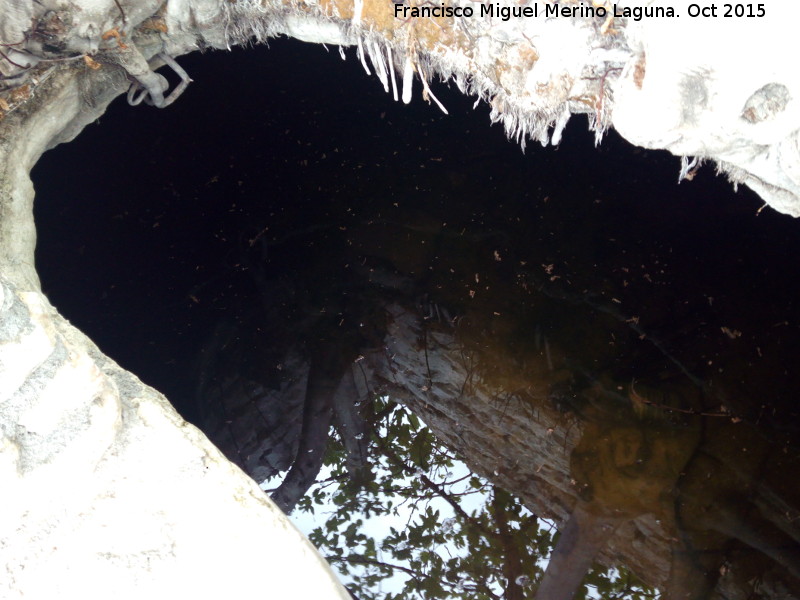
665	80
109	493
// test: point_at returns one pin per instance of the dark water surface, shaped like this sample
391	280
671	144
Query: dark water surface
664	318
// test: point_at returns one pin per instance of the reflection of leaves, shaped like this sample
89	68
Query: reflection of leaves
433	548
421	448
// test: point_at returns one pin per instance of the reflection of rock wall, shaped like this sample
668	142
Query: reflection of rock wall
515	435
544	387
256	427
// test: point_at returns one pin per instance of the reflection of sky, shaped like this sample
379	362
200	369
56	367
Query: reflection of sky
379	526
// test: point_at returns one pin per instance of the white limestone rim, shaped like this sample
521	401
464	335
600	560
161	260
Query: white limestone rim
684	84
108	492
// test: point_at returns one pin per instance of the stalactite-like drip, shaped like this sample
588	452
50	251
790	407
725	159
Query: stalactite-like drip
427	93
390	60
408	78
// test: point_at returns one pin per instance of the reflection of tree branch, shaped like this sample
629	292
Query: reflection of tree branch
481	585
371	561
442	451
432	494
641	400
427	363
328	363
459	480
469	368
319	483
512	563
419	577
437	489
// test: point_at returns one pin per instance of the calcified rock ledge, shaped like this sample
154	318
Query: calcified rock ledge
74	426
685	84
